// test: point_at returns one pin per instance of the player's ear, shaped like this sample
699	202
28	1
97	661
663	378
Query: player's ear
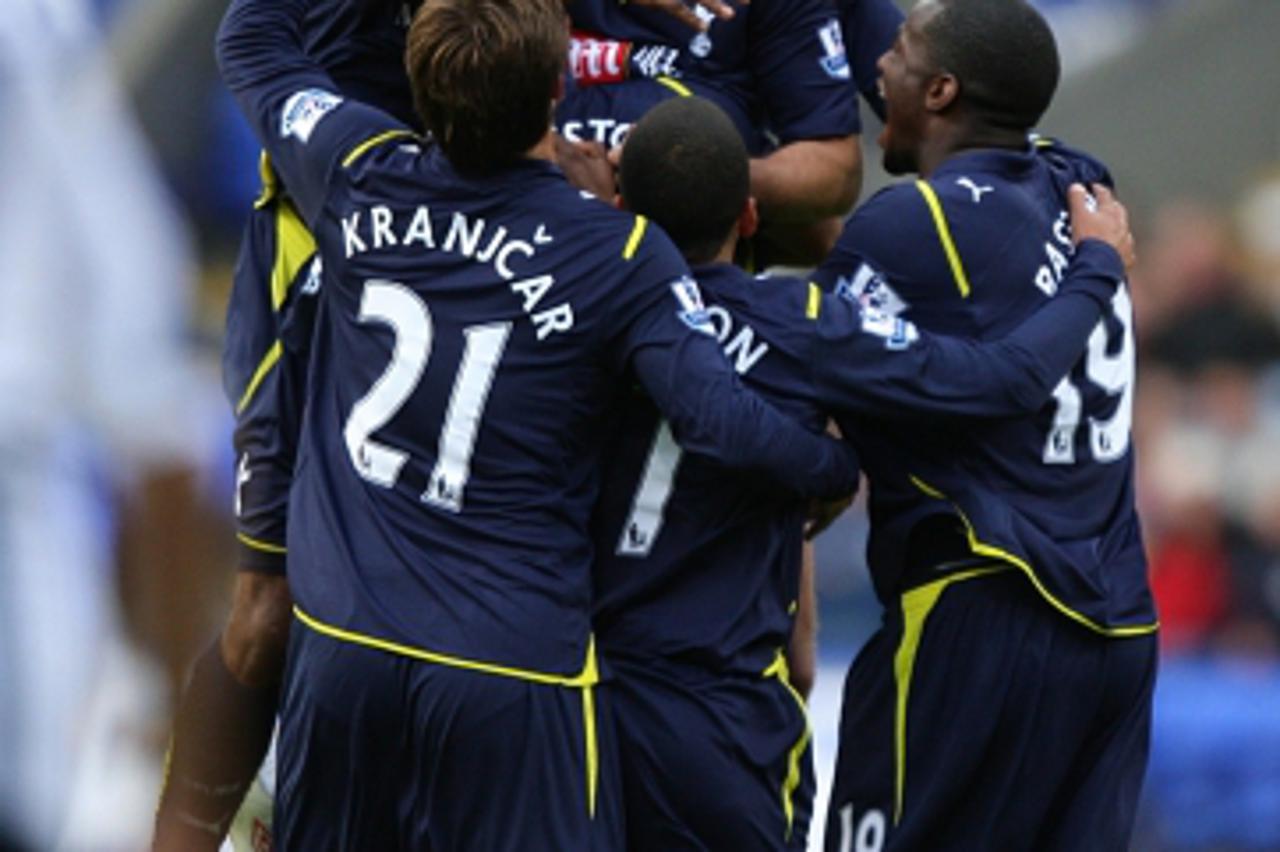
941	92
749	219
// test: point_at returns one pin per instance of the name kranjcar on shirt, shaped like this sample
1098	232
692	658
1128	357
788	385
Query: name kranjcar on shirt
471	333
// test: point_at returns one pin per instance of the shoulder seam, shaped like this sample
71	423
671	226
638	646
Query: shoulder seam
369	144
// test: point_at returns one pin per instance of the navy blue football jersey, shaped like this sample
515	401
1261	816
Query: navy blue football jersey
471	335
360	43
972	251
700	564
270	316
778	65
697	563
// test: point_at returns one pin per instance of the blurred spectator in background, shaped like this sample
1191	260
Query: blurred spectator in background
1211	467
96	444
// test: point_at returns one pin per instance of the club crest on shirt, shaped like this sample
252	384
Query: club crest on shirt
693	312
869	289
303	111
835	60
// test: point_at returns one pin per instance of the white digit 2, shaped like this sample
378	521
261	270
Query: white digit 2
409	318
1109	439
394	305
645	521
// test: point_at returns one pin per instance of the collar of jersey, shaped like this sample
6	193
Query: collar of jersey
988	160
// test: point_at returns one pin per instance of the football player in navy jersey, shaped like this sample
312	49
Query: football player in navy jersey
777	67
1005	702
227	711
697	567
476	319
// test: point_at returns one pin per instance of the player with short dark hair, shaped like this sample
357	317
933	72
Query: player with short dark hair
697	567
1006	701
474	326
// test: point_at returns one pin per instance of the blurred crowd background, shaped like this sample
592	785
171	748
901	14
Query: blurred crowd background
1178	95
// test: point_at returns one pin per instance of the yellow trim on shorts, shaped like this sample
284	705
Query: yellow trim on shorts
262	546
364	147
981	548
916	606
264	367
780	670
944	235
637	234
592	746
585	680
589	676
676	86
813	309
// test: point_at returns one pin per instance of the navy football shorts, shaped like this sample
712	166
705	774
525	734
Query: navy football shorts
383	752
979	718
711	761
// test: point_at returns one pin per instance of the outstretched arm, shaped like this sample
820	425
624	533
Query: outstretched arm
713	413
292	105
870	362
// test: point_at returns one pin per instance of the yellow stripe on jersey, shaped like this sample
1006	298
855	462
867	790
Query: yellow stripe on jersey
676	86
367	145
944	234
981	548
637	234
268	361
780	670
270	184
263	546
916	606
814	307
294	249
589	676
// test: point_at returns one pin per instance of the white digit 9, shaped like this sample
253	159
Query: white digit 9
1114	374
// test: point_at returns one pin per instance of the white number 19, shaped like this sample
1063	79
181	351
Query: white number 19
1108	439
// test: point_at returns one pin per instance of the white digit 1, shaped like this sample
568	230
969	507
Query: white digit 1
1114	374
870	834
645	521
485	345
1061	446
396	306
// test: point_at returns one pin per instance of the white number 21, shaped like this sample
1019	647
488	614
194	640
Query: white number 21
1108	439
395	305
